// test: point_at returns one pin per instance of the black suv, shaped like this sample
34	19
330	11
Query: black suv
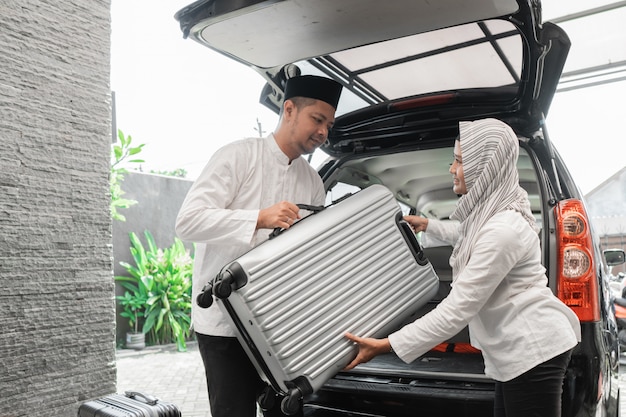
412	70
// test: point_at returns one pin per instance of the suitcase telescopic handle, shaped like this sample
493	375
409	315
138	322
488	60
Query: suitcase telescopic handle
314	209
309	207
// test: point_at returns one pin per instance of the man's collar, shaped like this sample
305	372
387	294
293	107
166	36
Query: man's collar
278	153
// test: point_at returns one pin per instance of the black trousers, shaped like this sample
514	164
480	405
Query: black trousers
535	393
232	380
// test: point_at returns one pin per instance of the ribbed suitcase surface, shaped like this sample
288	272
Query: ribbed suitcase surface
131	404
351	267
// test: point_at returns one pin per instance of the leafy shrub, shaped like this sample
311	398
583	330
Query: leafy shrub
119	155
160	281
133	302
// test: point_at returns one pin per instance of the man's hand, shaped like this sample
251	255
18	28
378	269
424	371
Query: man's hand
282	215
368	348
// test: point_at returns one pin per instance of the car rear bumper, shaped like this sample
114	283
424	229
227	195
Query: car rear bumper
380	397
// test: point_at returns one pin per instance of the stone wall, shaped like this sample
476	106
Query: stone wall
57	315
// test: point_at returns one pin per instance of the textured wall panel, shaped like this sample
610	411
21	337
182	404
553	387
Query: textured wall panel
57	311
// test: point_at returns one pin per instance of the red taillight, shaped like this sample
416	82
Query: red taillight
577	283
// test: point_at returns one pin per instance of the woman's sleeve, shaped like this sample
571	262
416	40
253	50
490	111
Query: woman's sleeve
439	233
495	253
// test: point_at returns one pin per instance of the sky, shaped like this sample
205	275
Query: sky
184	101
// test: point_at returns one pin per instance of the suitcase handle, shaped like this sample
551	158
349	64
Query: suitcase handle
148	399
409	236
314	209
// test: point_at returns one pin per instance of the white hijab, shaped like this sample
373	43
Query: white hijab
489	151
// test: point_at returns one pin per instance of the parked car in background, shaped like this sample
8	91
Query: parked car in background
614	257
412	70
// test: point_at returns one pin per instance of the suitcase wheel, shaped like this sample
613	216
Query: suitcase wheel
291	403
267	398
205	298
222	288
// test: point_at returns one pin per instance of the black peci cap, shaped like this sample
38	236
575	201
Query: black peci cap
312	86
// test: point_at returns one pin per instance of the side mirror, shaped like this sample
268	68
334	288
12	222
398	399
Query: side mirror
614	256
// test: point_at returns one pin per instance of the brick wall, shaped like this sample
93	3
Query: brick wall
57	345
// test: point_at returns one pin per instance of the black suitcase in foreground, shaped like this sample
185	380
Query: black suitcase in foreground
131	404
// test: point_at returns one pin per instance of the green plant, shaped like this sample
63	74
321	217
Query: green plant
164	277
120	154
133	301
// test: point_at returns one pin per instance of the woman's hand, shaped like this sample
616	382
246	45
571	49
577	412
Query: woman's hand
368	349
417	223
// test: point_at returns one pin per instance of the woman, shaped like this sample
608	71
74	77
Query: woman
499	286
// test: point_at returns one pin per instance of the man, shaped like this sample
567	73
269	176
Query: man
247	189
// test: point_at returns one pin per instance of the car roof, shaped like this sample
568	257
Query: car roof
394	52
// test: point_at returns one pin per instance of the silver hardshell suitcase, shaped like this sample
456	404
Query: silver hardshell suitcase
353	267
